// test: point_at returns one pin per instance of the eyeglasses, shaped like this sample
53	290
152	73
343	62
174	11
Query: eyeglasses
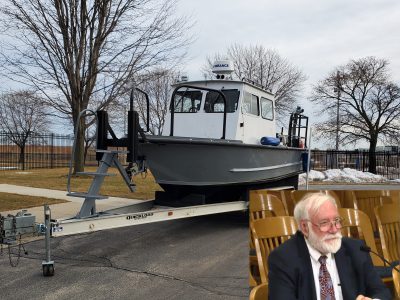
324	226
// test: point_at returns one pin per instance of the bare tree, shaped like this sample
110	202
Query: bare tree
83	54
158	87
362	98
266	67
21	114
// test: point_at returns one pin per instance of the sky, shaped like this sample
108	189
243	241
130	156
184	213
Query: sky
315	36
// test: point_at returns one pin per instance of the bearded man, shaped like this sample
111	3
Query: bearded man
317	263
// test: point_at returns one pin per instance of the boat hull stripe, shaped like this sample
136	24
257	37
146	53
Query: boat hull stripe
265	168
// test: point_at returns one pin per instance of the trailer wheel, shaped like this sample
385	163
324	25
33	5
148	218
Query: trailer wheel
48	270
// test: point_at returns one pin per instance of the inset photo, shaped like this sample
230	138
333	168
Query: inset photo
324	244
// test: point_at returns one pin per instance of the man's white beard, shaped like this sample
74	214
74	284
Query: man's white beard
330	243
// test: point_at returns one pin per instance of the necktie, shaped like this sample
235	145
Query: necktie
325	281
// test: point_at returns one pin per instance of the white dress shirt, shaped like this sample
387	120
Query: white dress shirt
332	269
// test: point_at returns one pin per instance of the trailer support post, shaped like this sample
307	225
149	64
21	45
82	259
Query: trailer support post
48	264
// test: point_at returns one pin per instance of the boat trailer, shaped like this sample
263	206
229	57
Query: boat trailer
13	227
88	219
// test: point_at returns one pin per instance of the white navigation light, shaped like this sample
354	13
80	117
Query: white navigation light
223	69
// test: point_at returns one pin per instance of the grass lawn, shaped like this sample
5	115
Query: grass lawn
14	201
56	179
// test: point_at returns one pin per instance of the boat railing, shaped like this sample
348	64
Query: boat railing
147	106
257	84
197	88
298	129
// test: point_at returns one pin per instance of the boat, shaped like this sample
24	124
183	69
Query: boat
219	141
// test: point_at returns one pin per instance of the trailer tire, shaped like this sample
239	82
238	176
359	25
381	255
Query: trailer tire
48	270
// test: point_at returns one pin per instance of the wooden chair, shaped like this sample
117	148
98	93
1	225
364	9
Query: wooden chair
260	292
284	196
268	234
396	282
366	201
358	225
262	205
388	220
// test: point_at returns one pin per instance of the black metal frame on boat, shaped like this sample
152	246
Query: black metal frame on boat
131	142
295	128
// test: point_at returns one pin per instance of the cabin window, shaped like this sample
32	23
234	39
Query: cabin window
187	101
250	104
215	103
267	109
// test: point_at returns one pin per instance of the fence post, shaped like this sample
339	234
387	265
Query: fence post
387	164
52	151
364	161
326	160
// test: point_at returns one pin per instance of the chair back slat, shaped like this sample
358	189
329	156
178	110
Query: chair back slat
269	234
388	220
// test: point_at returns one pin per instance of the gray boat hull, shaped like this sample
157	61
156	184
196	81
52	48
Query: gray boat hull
201	165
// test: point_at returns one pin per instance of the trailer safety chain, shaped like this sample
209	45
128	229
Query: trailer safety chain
133	169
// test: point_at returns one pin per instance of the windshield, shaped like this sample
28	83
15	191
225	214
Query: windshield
187	101
215	103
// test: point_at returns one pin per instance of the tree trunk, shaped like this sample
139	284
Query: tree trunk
79	148
372	155
22	156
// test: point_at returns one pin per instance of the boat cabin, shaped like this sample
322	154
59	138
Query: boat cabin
250	110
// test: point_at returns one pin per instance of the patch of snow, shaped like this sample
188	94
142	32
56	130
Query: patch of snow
316	175
346	175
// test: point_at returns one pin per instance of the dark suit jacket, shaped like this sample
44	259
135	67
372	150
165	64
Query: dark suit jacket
291	276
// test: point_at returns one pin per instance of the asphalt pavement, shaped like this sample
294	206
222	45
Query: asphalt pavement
197	258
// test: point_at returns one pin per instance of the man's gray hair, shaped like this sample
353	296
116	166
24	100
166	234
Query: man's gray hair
310	204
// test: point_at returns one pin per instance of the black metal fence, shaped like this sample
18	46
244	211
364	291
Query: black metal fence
387	163
54	150
41	151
